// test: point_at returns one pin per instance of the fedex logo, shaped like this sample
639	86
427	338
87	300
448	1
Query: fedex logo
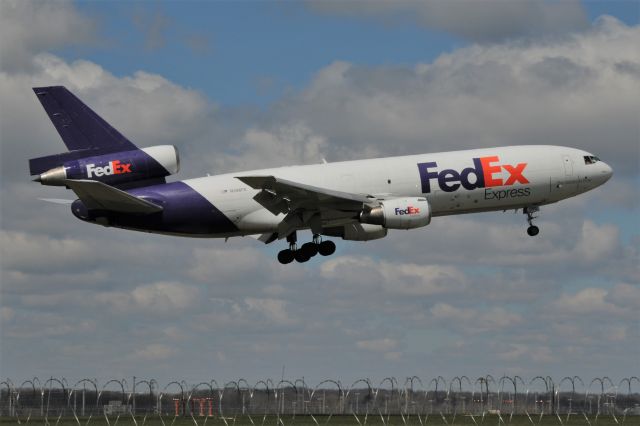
484	173
113	168
408	210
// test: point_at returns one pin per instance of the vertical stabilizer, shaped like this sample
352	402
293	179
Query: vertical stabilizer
78	125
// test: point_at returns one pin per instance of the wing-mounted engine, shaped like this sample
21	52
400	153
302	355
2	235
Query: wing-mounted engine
356	232
116	168
398	213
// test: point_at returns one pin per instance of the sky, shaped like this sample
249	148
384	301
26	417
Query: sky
243	85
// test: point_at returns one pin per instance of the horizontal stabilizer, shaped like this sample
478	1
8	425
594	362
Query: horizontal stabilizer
99	196
57	201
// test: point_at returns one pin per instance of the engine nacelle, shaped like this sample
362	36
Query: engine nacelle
399	213
118	168
356	232
363	232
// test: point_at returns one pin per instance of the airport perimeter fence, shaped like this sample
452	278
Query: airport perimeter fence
463	396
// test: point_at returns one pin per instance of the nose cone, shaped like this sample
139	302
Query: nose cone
601	173
606	172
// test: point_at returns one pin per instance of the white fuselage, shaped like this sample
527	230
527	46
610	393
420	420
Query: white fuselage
511	177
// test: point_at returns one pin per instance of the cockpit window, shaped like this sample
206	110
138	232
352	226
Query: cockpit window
590	159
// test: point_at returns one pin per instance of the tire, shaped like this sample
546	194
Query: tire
533	230
326	248
310	249
300	256
285	256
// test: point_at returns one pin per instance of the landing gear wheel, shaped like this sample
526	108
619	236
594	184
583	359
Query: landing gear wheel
309	249
326	248
533	230
285	256
300	256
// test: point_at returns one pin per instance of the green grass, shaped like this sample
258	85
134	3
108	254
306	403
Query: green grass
126	420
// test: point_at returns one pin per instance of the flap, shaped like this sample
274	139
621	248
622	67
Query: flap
303	196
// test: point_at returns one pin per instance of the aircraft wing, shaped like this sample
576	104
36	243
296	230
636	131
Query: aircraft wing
99	196
298	195
300	202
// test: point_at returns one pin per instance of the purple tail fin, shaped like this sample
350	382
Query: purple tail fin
78	126
83	131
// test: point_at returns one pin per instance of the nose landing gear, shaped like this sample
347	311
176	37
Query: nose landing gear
306	251
532	230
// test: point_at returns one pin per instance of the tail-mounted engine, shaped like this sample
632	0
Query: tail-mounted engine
116	168
399	213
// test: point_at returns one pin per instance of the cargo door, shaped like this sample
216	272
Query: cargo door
567	185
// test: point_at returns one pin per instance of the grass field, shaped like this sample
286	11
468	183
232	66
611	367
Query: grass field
126	420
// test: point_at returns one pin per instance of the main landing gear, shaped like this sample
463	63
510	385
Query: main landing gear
532	230
306	251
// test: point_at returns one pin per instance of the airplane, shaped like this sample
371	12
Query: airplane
120	185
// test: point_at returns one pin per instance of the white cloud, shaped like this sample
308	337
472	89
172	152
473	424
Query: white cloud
240	266
588	301
378	345
616	333
225	263
46	264
522	353
473	320
6	314
36	325
625	295
246	315
48	300
484	21
497	240
394	277
26	251
289	144
160	298
595	244
393	356
28	27
165	295
567	92
173	332
273	310
155	352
